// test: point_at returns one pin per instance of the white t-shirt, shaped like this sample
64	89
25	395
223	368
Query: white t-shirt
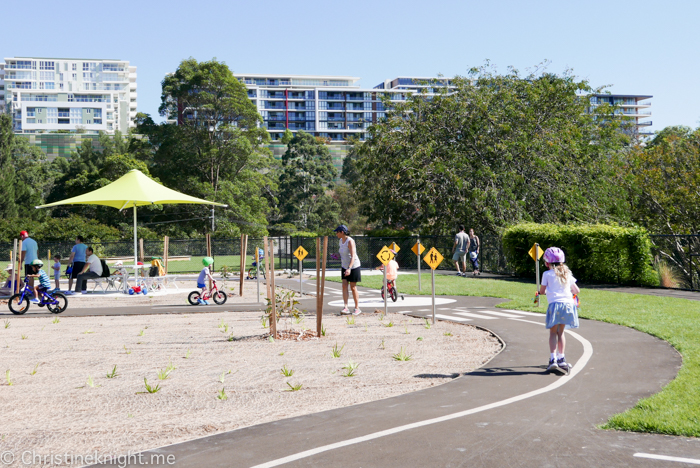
95	264
556	291
348	261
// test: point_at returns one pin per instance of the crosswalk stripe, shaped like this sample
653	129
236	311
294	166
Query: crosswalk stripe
472	315
449	317
499	314
534	314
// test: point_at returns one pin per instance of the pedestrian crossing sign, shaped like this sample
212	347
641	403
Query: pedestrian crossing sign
301	253
536	250
433	258
385	255
418	249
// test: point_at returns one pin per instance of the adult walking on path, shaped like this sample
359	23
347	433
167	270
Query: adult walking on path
474	247
349	268
76	260
30	253
92	269
459	250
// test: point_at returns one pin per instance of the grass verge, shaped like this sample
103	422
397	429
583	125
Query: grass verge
676	409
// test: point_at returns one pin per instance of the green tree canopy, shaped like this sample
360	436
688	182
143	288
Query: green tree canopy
501	149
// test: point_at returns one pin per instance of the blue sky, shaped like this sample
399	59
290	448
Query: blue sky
638	47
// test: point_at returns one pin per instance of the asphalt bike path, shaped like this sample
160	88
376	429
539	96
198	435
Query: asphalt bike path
508	413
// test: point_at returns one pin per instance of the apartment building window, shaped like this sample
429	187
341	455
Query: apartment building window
74	67
43	65
75	77
47	75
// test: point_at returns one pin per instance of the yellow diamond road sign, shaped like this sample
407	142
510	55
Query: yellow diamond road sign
433	258
301	253
415	249
536	250
385	255
394	247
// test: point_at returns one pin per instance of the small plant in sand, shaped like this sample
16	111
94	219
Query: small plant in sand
286	371
381	317
221	324
113	374
350	369
427	324
8	378
420	338
128	351
286	308
24	337
402	355
141	332
323	330
163	374
335	352
56	320
90	383
149	388
447	334
293	388
350	320
263	321
381	345
406	328
282	353
271	339
390	324
88	332
299	320
33	372
222	395
188	354
7	324
222	377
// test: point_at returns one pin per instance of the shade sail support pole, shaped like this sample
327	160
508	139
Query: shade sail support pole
136	252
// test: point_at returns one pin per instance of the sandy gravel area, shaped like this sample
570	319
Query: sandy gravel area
61	399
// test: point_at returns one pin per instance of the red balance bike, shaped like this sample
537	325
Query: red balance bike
197	298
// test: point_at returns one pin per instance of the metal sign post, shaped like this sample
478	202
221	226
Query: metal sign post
418	244
385	256
301	254
536	252
257	270
301	284
433	258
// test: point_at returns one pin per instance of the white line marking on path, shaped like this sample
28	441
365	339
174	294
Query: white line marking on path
499	314
692	461
580	364
468	314
449	317
533	314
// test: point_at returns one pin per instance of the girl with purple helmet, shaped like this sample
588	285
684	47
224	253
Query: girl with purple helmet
560	286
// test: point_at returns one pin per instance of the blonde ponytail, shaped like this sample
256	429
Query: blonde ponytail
563	273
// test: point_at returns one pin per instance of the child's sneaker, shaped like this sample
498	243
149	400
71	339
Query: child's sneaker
357	312
345	311
552	365
561	362
200	301
34	300
205	302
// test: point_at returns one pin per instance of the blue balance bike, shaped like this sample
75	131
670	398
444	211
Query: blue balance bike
55	301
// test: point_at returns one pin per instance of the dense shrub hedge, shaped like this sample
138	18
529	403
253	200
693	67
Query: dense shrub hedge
595	252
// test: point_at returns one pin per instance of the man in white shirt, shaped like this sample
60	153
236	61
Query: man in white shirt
92	269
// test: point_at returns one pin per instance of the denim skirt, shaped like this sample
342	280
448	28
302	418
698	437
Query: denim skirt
562	313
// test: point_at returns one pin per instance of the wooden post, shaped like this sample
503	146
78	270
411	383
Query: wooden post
318	287
244	250
141	251
323	271
19	265
273	314
208	240
267	267
165	254
13	261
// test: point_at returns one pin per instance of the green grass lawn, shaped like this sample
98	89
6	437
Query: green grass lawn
676	409
233	262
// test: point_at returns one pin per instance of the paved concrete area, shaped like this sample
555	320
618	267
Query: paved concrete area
508	413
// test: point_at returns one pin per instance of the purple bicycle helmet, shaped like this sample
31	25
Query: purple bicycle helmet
554	255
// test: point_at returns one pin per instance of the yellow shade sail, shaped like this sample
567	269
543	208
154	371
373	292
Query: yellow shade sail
132	189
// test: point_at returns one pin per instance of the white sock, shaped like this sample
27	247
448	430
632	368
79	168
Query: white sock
552	356
560	356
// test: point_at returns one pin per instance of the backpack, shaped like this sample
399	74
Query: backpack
105	269
156	268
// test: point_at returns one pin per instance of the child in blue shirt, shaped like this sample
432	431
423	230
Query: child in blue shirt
44	281
57	271
203	275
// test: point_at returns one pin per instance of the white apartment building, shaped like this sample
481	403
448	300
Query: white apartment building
88	95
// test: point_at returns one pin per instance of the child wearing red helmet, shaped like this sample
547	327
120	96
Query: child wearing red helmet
560	286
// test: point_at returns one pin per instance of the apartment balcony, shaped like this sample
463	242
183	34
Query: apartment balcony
333	108
645	123
334	97
335	119
356	98
278	106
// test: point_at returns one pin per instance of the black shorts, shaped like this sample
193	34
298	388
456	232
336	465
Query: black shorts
354	277
28	270
77	268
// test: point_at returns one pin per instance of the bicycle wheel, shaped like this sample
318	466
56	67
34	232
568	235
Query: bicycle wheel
394	294
61	303
194	297
251	274
220	297
18	304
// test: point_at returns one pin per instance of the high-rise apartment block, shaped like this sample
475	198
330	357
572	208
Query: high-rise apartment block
331	107
632	107
44	95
